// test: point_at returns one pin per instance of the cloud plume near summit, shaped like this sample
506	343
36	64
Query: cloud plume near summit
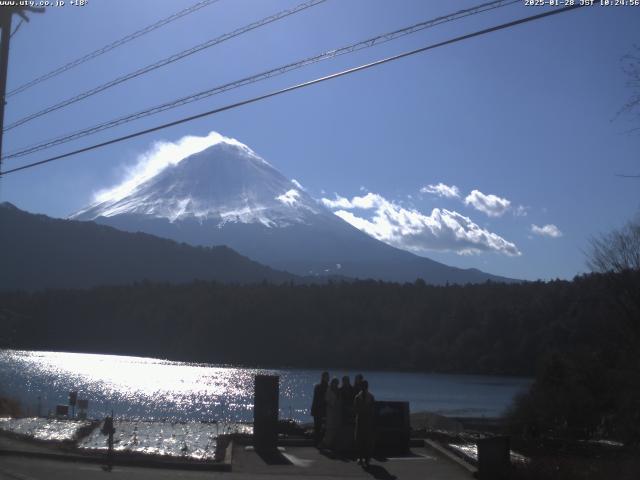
409	229
159	156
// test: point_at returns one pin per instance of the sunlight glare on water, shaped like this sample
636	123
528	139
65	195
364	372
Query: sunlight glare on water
140	385
42	428
138	388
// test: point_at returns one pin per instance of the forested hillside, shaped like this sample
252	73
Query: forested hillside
41	252
488	328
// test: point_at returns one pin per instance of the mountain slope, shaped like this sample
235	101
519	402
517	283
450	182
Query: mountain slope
42	252
228	195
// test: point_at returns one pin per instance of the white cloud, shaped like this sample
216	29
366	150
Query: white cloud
492	205
442	190
290	197
409	229
160	156
339	202
298	184
366	202
521	211
549	230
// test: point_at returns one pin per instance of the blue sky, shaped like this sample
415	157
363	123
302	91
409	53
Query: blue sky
525	116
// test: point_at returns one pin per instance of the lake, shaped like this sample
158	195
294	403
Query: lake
140	388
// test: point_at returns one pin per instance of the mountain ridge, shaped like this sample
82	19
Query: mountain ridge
44	252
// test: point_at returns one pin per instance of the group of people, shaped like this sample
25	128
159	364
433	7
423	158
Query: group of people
343	416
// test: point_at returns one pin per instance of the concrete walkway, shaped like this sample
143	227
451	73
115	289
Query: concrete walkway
247	464
423	462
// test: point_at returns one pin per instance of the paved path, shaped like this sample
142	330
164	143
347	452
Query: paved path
23	468
11	443
293	462
423	462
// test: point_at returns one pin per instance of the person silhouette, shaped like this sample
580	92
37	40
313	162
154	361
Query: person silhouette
334	415
363	405
319	407
108	429
347	395
357	384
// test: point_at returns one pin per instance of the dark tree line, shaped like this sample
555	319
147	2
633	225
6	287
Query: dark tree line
489	328
592	387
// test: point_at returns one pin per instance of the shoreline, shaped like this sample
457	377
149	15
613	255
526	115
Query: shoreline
301	367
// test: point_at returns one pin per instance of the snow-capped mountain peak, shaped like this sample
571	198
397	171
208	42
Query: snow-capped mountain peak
225	182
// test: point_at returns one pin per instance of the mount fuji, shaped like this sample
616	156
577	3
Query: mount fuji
226	194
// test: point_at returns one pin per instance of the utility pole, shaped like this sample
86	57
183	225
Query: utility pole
5	24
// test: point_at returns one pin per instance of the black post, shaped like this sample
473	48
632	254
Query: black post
265	412
494	458
73	398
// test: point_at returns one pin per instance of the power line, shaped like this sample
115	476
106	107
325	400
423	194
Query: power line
6	17
107	48
15	30
166	61
368	43
298	86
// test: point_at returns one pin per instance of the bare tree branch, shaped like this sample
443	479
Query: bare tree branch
616	251
631	67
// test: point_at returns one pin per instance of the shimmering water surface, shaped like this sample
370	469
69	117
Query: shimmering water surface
470	450
137	388
195	440
43	428
190	439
